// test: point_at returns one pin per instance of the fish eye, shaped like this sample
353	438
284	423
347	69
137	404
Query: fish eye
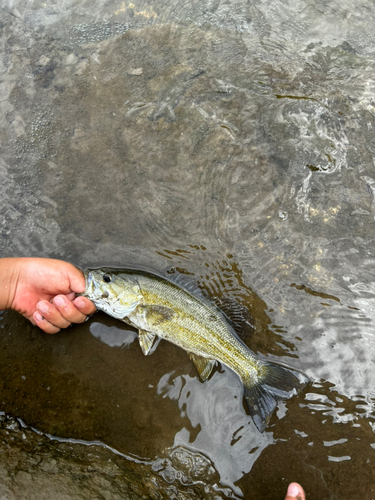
107	278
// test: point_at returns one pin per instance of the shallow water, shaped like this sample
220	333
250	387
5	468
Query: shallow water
229	141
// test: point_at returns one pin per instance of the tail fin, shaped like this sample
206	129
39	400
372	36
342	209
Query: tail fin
274	383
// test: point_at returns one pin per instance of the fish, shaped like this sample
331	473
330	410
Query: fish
162	309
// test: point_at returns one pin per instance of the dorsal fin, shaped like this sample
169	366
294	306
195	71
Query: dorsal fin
238	315
189	284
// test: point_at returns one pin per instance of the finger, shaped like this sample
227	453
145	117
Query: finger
71	296
43	324
295	491
85	305
52	314
77	280
68	310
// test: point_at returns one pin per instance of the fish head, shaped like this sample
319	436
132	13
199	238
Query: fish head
115	295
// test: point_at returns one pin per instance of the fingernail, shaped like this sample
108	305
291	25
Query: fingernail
43	307
38	317
79	303
293	490
59	301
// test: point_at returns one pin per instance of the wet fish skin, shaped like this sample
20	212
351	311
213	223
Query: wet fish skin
161	309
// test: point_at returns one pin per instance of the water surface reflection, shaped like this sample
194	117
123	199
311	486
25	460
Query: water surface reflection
228	141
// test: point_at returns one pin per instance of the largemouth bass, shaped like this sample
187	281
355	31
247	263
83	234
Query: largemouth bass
159	308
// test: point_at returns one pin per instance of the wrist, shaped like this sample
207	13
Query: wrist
10	269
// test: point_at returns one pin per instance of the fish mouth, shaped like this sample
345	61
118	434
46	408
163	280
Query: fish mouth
89	284
88	278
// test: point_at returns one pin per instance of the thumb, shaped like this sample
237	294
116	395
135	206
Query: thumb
76	280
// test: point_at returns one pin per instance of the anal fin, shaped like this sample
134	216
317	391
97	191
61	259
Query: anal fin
148	341
203	365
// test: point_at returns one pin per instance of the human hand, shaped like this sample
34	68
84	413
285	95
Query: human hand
44	291
295	491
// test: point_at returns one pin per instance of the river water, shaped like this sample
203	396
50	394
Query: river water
228	140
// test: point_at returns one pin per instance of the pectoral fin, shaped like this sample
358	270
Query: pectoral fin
148	341
204	365
157	314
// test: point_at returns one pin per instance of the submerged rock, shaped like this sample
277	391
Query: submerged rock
36	466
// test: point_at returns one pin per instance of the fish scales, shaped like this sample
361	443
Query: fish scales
190	328
162	309
191	323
